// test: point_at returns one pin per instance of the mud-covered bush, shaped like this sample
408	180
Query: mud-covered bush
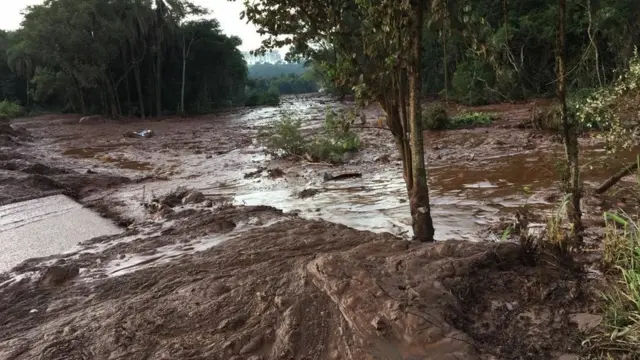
471	119
473	81
10	110
285	138
435	117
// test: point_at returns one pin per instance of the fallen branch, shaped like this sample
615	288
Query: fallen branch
617	177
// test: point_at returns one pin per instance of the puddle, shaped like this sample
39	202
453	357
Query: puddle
46	226
101	153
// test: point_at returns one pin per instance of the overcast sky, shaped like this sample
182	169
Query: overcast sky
228	13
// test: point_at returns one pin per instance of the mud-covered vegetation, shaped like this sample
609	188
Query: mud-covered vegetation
285	137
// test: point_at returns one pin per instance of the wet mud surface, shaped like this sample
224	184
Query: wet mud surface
260	258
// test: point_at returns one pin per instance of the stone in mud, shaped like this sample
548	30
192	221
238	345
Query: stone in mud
208	203
586	321
57	275
194	197
307	193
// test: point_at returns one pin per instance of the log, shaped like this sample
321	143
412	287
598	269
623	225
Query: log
627	170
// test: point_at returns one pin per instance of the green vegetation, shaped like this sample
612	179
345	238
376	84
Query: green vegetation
10	110
277	70
121	57
435	117
285	138
622	310
262	97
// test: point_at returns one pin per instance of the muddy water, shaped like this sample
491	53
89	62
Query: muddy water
479	185
46	226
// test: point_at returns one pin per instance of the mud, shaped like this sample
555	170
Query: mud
297	289
266	260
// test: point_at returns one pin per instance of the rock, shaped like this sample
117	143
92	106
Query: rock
586	321
382	158
194	197
208	203
307	193
57	275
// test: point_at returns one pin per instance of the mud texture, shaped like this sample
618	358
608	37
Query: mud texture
298	289
203	270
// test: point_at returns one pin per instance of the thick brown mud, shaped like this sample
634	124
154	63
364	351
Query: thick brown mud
260	258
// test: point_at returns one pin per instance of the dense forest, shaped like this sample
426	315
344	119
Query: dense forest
143	57
121	57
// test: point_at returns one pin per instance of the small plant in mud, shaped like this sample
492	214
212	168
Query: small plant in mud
336	138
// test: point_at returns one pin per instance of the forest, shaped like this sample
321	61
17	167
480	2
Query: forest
122	57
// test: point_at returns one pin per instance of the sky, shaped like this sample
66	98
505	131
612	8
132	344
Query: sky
227	13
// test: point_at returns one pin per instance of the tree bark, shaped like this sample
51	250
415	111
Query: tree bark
573	186
159	74
184	73
627	170
419	199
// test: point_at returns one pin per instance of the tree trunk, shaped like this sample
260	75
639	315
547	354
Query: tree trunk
27	91
136	73
419	200
572	173
184	73
627	170
159	75
444	51
126	82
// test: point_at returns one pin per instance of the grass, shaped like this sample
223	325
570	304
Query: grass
10	110
621	253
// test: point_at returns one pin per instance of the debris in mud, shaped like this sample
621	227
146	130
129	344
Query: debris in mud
329	177
146	133
92	119
57	275
11	135
275	173
256	173
173	198
194	197
307	193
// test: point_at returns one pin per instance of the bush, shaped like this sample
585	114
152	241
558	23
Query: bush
285	137
336	138
10	110
471	119
472	82
434	117
262	98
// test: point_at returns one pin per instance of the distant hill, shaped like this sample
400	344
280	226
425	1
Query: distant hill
267	70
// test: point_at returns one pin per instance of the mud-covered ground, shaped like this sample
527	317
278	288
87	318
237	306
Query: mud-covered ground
210	272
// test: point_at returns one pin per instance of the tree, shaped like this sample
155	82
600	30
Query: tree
573	187
371	53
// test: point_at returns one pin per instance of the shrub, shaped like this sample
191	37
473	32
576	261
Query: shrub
335	139
434	117
10	110
472	82
285	137
471	119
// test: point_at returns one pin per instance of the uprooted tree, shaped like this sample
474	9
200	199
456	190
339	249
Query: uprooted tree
376	49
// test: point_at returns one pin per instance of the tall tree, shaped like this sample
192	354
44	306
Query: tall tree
373	54
573	186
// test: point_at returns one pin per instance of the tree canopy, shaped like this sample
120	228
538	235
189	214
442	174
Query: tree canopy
137	57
